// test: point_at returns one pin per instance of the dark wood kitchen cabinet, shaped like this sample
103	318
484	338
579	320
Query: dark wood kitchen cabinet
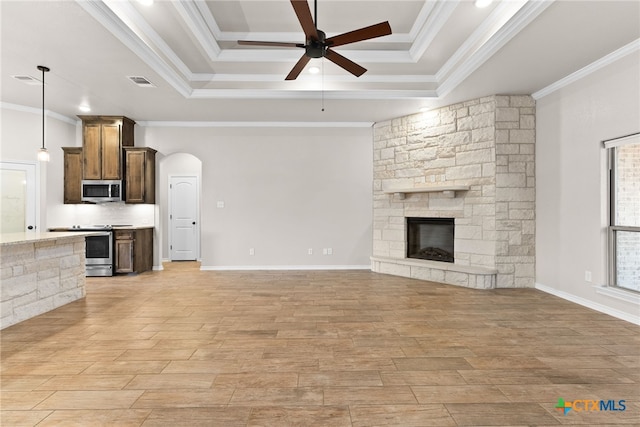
103	138
133	250
72	175
140	175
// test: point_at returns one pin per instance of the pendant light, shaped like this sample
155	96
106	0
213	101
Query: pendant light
43	154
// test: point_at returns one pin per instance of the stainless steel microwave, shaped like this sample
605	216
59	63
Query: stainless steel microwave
101	191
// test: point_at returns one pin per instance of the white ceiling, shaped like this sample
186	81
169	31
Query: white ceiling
440	52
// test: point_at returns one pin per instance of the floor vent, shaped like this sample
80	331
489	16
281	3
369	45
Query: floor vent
141	81
28	80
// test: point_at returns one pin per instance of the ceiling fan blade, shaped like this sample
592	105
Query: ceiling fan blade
271	44
301	7
297	69
366	33
345	63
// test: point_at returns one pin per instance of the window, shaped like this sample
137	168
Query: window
624	209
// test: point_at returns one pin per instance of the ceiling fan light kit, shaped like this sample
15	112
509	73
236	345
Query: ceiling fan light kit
317	45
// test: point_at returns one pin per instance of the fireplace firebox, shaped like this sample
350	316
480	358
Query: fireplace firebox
430	239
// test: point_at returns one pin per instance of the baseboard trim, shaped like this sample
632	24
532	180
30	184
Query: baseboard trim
590	304
282	267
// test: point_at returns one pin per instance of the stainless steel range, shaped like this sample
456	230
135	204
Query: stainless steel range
99	251
98	248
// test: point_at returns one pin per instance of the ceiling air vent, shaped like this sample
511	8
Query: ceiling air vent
28	80
141	81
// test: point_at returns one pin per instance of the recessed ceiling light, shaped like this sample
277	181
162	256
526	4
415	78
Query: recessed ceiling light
483	3
314	70
85	108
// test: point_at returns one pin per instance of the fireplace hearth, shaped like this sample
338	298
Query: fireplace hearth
430	239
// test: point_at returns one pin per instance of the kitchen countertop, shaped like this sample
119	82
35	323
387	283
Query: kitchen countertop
38	236
117	227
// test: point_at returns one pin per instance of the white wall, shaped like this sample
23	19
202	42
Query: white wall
571	214
21	139
285	190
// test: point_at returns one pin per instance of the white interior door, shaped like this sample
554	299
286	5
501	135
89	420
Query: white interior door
18	194
183	218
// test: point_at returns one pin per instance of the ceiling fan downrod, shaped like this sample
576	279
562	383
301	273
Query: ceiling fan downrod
315	13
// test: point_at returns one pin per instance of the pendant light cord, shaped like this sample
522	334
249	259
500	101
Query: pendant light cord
43	108
44	70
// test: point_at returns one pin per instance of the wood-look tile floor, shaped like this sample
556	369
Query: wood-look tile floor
184	347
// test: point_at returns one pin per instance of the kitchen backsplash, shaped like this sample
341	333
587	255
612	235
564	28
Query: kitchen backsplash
106	213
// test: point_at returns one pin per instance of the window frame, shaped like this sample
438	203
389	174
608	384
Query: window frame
612	229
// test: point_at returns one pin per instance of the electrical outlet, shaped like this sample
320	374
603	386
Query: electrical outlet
432	178
252	251
443	177
587	276
329	251
310	251
220	204
324	251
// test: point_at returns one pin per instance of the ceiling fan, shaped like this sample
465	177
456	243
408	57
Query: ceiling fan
317	45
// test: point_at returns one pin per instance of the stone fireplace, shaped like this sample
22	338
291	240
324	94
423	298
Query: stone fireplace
471	163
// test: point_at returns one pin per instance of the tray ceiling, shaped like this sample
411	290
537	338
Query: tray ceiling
188	49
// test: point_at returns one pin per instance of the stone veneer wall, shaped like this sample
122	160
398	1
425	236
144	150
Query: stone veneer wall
486	143
39	276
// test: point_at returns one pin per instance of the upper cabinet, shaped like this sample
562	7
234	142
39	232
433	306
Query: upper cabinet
140	174
107	153
72	174
103	139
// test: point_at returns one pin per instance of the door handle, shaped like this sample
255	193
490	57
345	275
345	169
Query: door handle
31	227
194	223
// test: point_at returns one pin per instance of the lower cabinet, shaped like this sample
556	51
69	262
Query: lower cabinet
133	250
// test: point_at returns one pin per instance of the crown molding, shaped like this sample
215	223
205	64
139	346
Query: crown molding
421	20
523	17
311	94
124	22
609	59
365	78
126	12
431	28
33	110
191	14
498	17
213	124
100	11
289	37
289	55
194	124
